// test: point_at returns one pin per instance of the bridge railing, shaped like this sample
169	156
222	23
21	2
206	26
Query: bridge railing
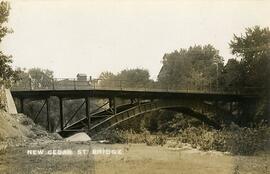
74	84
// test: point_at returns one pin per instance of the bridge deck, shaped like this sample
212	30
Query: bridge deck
126	93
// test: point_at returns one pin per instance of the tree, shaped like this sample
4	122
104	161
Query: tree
128	78
193	68
253	49
232	76
134	78
41	78
7	74
106	79
35	78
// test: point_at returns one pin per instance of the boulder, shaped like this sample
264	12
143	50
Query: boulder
79	137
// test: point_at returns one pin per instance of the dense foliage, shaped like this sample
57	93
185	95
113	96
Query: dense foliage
249	72
128	78
196	68
253	49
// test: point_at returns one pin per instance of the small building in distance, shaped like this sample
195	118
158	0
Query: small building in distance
81	77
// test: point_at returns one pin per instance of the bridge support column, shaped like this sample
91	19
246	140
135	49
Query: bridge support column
21	105
87	111
112	104
48	115
61	113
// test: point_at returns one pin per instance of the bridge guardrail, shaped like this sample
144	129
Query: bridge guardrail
101	84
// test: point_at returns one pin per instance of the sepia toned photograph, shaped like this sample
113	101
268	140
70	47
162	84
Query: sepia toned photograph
134	87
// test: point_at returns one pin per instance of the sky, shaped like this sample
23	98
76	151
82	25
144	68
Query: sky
88	36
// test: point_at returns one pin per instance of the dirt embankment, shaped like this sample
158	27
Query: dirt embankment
17	129
12	127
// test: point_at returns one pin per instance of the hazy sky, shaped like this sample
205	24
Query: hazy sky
94	36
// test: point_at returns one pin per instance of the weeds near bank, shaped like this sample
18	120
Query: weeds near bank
236	140
129	136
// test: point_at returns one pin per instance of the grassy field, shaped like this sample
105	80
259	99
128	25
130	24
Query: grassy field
134	159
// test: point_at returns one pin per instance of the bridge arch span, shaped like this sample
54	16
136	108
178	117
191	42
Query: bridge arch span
141	109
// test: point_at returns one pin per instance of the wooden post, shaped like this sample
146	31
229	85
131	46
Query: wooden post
48	114
87	109
61	113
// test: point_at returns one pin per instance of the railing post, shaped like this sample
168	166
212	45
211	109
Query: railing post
48	114
114	106
53	84
30	84
61	113
144	87
74	83
87	110
120	84
210	87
